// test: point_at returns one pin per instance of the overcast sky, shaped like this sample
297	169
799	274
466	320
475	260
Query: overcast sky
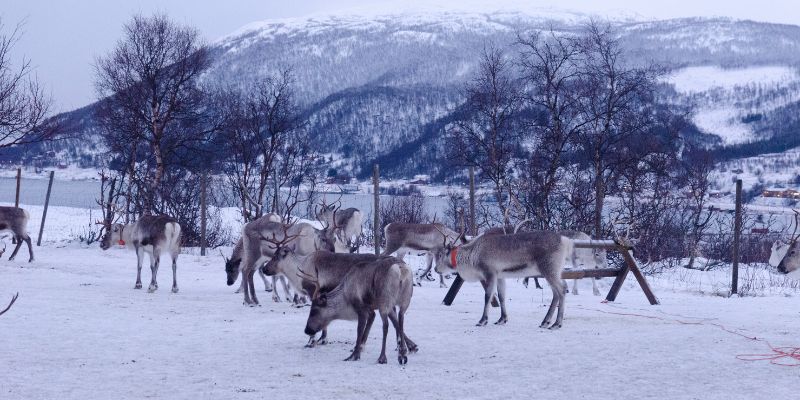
62	38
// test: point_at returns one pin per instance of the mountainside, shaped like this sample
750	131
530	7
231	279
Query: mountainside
381	88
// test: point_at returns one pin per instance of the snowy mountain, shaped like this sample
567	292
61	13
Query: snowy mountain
381	87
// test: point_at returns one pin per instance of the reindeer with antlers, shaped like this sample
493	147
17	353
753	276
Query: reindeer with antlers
346	224
260	239
403	238
790	263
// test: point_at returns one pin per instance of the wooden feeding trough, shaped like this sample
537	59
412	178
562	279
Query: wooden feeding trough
619	274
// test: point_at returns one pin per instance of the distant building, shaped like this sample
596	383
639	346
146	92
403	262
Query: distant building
782	193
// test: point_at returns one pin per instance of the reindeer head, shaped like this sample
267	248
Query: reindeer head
232	268
114	234
444	253
275	264
326	306
790	263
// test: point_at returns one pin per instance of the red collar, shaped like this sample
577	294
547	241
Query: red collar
121	241
453	253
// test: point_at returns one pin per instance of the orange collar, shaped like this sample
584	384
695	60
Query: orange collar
121	242
453	253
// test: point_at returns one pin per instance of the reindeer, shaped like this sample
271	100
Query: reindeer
790	262
13	300
329	271
346	225
492	258
258	239
151	234
403	238
232	266
777	252
385	285
15	219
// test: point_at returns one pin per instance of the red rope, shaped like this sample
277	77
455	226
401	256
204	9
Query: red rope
783	356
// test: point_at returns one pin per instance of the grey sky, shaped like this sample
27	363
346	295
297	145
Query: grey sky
63	37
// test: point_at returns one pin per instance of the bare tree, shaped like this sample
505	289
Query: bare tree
550	66
615	101
699	164
266	146
23	105
148	87
486	133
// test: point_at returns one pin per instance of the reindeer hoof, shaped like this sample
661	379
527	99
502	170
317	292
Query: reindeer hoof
353	357
174	289
403	360
501	321
382	359
554	327
544	324
482	322
442	285
152	289
137	286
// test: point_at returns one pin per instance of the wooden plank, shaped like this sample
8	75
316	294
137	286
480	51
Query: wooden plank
590	273
595	244
376	208
637	273
19	179
454	288
617	284
737	233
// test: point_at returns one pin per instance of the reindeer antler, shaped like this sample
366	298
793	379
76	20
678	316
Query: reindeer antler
13	299
314	280
794	236
286	236
4	248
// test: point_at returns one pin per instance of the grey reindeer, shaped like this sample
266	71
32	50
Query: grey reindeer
385	285
345	225
329	269
402	238
490	259
15	220
259	237
232	270
151	234
790	262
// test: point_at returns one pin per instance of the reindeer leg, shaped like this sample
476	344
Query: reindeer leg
501	295
429	260
139	257
285	285
367	328
362	321
385	320
275	296
574	286
402	357
490	288
155	259
251	283
595	290
16	249
267	285
536	283
558	300
27	239
174	275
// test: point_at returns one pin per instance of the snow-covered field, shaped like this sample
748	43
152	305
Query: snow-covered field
80	331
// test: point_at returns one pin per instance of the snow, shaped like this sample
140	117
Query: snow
80	331
705	78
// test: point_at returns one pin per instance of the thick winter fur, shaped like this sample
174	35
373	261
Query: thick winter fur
777	253
385	285
321	270
346	227
152	235
790	263
257	247
15	219
232	269
490	259
403	238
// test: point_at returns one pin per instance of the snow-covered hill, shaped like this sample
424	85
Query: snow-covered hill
381	86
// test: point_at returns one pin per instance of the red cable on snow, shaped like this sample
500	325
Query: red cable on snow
778	356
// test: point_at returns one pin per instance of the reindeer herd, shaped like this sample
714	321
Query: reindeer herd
322	265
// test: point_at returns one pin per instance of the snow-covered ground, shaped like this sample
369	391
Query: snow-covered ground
79	330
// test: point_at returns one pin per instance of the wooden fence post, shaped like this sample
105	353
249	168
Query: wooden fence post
376	208
203	213
44	213
737	233
19	179
473	230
